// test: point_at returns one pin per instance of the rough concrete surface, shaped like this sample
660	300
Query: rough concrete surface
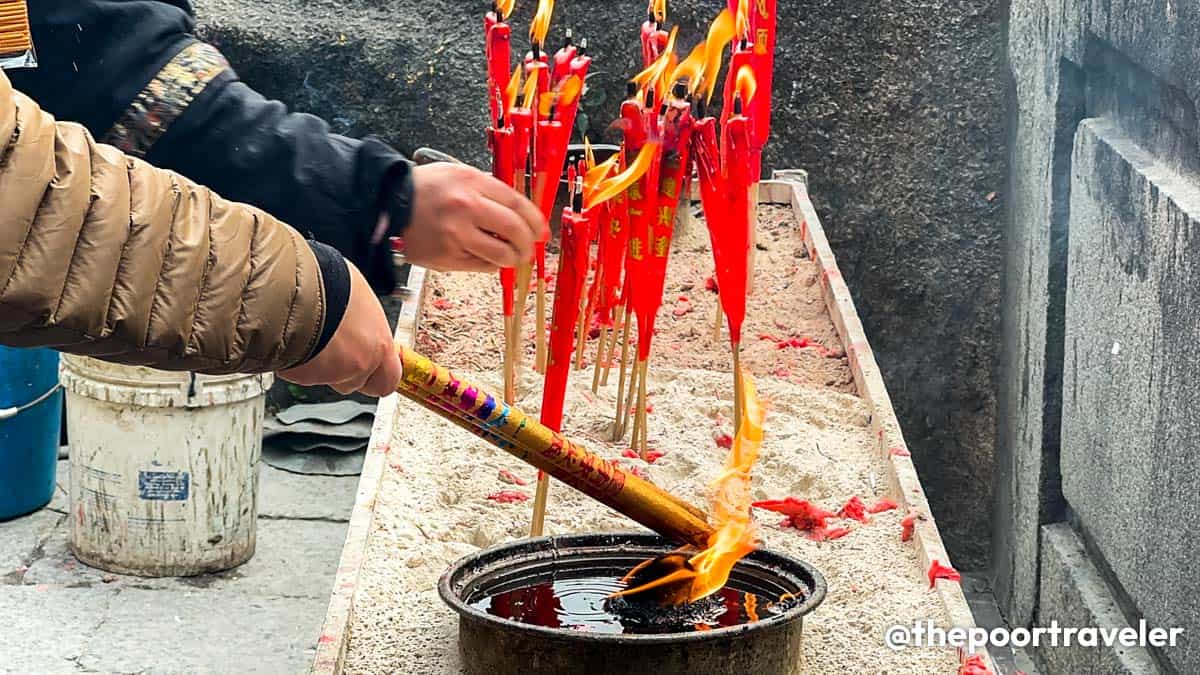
1129	419
262	617
1074	594
1132	64
896	109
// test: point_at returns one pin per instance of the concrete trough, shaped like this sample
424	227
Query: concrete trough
789	189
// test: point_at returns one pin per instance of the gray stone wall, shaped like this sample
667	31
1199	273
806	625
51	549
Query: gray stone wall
1099	375
896	109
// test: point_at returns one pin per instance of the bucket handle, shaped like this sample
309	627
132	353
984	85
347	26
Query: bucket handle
8	413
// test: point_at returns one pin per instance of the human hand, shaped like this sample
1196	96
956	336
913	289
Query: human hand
360	357
466	220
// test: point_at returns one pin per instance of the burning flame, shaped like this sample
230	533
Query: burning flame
658	9
611	187
529	97
708	571
594	178
720	34
540	26
743	20
504	8
656	76
746	84
566	93
691	69
514	88
589	156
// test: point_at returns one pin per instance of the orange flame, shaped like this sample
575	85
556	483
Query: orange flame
529	96
691	69
505	7
514	89
746	85
708	571
589	155
720	34
594	178
656	75
566	93
743	20
611	187
658	9
540	26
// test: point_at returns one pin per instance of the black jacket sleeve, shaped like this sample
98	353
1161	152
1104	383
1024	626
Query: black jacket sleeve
123	66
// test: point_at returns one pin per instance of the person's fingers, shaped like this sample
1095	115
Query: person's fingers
495	190
503	222
385	378
486	247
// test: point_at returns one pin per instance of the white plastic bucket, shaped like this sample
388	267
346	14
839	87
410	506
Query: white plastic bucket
164	467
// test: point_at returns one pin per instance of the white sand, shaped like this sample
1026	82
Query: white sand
432	509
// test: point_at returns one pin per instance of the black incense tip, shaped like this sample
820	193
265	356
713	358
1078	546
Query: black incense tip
582	46
650	100
737	106
680	90
631	89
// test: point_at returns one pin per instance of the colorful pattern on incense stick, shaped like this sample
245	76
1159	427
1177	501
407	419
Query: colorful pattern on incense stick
435	388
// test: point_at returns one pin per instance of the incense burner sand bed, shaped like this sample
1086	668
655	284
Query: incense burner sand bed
433	505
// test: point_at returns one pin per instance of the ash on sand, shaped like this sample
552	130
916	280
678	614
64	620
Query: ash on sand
433	508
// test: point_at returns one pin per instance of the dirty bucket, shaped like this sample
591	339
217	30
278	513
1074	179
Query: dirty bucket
164	467
30	420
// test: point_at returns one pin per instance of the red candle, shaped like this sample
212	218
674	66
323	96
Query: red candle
615	238
569	109
498	51
503	158
562	60
733	262
675	165
763	24
572	273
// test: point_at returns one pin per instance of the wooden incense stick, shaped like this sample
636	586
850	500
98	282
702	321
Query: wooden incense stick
618	314
540	327
619	427
737	388
510	367
539	505
600	348
630	403
642	426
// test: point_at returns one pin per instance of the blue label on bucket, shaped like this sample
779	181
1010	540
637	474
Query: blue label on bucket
163	486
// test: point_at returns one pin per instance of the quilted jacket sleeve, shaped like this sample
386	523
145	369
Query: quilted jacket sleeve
106	256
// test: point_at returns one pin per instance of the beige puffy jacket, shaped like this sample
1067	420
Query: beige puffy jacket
104	255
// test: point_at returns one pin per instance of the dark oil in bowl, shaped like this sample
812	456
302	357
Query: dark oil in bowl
584	603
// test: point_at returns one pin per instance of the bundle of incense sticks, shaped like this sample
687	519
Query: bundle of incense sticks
436	389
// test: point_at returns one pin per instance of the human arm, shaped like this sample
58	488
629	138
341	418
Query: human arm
106	256
134	74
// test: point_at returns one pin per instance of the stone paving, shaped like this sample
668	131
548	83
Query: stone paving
61	616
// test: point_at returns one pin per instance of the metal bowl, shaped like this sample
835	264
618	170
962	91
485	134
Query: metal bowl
490	645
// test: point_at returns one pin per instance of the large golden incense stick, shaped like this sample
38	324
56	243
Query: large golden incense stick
433	387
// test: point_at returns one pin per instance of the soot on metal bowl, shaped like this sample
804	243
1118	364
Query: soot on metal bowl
543	606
